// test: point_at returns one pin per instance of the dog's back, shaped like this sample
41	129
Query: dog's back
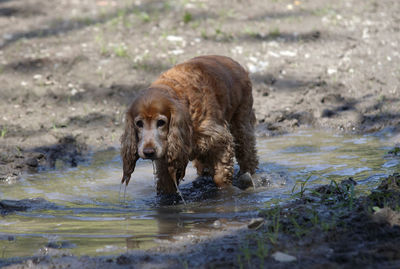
205	82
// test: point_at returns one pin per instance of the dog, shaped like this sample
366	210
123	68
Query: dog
201	111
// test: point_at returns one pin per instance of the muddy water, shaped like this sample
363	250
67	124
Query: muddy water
81	210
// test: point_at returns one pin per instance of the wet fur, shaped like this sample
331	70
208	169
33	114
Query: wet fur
208	102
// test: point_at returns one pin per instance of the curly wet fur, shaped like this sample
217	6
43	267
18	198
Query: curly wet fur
128	150
208	102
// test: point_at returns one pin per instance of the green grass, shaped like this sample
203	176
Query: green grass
275	32
187	17
3	132
173	60
144	16
325	209
245	250
220	34
121	50
262	251
320	12
274	233
303	188
250	32
113	137
298	230
203	34
85	21
99	39
395	151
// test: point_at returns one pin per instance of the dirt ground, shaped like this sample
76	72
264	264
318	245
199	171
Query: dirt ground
69	69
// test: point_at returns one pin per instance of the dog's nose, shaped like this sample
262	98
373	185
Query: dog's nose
149	152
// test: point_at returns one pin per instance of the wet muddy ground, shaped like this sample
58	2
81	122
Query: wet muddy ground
328	227
68	70
309	196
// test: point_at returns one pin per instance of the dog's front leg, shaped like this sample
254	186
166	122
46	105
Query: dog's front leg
223	164
165	183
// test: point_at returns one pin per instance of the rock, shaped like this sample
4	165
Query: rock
12	205
245	181
217	224
386	215
256	223
32	162
9	178
283	257
9	206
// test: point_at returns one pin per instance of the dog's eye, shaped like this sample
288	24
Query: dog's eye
139	123
160	123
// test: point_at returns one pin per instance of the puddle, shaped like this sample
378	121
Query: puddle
82	212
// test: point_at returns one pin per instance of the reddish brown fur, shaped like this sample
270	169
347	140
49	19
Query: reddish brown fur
207	102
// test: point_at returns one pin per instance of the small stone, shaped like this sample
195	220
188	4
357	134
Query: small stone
37	77
32	162
331	71
8	36
173	38
12	205
217	224
256	223
386	215
245	181
288	53
283	257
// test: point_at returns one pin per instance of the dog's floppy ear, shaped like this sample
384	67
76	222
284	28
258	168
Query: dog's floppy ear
129	152
179	141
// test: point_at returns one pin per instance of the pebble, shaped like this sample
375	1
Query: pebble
33	162
173	38
288	53
176	52
8	36
217	224
245	181
331	71
256	223
37	77
283	257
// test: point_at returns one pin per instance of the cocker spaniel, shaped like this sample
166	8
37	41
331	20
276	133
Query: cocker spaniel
200	111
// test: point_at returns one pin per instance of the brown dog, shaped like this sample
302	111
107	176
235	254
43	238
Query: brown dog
201	111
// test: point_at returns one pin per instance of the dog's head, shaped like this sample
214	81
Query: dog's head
157	127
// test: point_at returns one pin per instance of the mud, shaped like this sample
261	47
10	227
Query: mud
73	74
68	71
10	206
